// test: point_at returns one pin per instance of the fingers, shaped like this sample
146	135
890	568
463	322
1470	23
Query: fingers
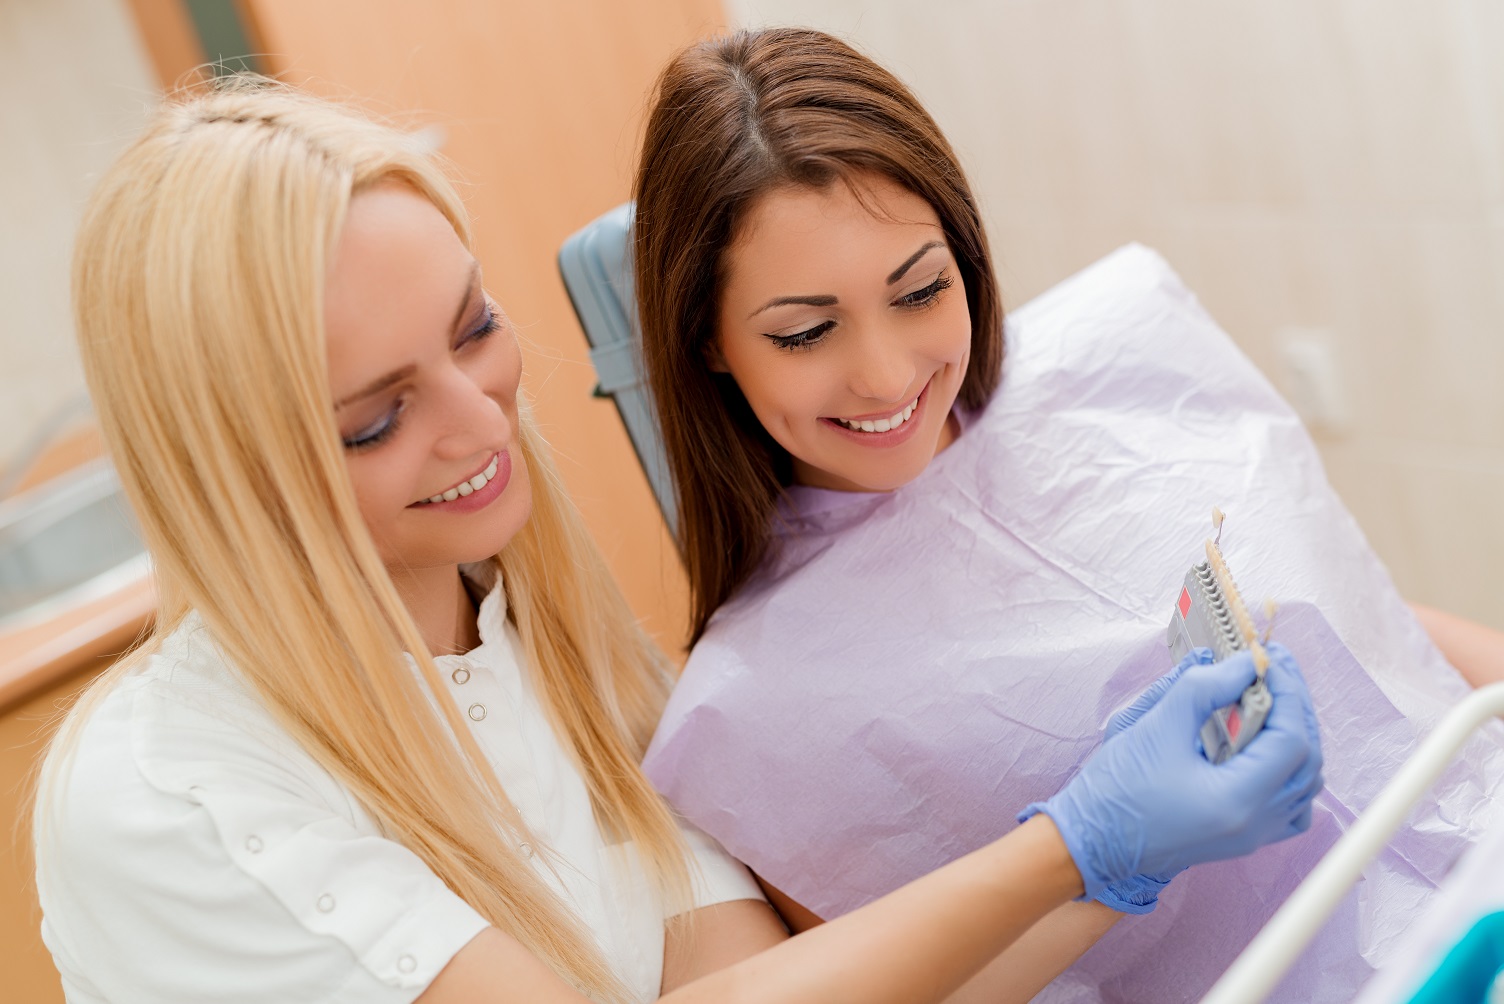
1291	713
1283	763
1292	799
1289	675
1156	690
1203	689
1199	656
1299	817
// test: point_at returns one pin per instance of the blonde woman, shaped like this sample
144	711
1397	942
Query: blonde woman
383	744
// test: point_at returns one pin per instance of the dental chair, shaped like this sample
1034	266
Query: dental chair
596	264
1458	941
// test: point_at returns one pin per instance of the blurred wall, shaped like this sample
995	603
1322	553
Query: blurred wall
1328	177
76	85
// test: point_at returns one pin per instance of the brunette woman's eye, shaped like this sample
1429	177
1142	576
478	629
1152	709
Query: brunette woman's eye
802	339
926	296
377	432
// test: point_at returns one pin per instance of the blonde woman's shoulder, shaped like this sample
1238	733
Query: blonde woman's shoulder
185	844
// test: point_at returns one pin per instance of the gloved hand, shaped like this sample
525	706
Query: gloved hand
1139	894
1149	803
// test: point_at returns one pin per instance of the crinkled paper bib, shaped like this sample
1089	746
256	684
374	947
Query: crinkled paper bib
920	665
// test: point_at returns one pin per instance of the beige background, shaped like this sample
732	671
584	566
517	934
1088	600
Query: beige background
1334	166
74	86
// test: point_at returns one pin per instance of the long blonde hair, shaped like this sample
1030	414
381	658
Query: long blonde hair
198	286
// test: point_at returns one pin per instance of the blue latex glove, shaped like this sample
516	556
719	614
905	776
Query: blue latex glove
1140	894
1149	803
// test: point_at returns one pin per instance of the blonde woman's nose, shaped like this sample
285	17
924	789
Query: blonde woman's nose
473	418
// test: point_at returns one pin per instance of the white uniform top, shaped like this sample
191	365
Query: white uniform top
196	853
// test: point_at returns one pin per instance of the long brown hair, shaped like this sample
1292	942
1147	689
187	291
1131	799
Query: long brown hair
733	118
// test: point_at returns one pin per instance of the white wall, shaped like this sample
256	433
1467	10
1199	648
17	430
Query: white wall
1335	165
74	86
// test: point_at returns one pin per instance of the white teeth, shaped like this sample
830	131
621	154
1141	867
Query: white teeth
475	484
881	424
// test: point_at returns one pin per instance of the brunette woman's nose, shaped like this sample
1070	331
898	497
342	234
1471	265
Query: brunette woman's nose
882	373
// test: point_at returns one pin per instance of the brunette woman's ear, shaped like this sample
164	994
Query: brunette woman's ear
714	360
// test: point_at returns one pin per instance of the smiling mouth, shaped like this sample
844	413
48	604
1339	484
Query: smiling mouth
474	484
888	424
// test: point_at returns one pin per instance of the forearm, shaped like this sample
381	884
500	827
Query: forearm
1477	652
1042	953
1024	968
959	918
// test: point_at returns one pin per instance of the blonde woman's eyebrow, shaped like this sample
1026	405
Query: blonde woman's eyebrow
398	375
377	386
470	287
902	270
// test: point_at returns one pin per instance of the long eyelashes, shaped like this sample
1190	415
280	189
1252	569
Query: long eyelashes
489	324
917	300
802	339
380	432
928	295
383	428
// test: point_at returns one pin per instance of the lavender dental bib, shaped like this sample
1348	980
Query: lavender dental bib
916	667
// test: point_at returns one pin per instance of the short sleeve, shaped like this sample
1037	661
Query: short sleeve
186	858
717	876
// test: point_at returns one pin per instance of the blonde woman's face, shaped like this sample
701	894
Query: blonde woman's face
843	320
423	370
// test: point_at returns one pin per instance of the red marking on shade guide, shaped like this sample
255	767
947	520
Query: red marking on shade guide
1185	601
1234	724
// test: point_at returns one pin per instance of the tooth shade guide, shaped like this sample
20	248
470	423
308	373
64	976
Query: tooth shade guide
1235	606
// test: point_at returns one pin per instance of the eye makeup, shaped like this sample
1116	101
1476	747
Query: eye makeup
919	299
384	427
377	432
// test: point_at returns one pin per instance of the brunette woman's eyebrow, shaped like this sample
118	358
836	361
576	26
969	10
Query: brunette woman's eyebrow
827	300
899	272
817	300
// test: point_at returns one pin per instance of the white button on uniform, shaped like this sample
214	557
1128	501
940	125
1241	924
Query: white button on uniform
325	903
461	675
477	712
407	963
253	844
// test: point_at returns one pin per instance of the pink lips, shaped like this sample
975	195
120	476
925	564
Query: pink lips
893	437
477	499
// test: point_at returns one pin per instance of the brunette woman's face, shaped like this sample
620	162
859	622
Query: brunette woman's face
843	320
423	370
